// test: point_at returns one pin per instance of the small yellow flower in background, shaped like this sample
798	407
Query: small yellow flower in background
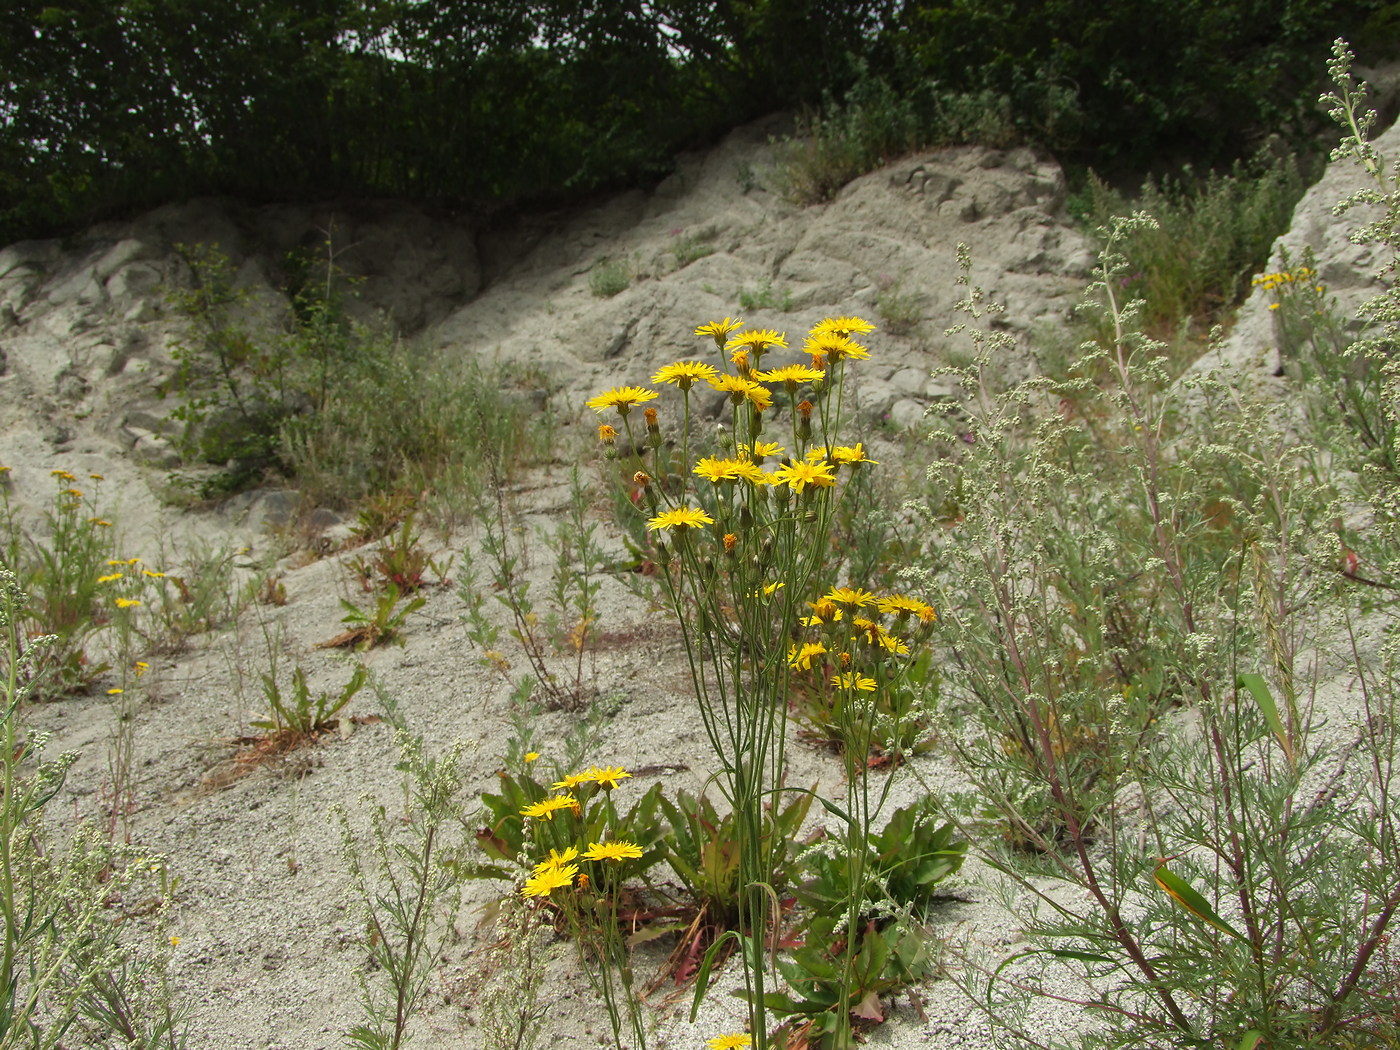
115	692
556	860
799	475
608	776
641	478
63	475
758	340
768	590
738	388
849	454
685	374
140	667
717	470
127	603
622	398
902	605
730	1042
545	810
153	575
730	541
532	756
680	518
109	577
75	493
4	470
115	561
97	477
852	680
100	522
174	941
545	883
571	781
612	851
606	434
760	449
842	326
132	561
1273	306
855	597
802	658
719	330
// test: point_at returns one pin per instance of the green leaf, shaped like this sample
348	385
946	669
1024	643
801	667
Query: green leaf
1259	689
1179	890
1250	1040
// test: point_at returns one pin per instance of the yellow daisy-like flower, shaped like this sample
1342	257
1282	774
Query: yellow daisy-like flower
109	577
877	635
608	776
798	476
607	434
849	454
63	475
102	523
680	518
572	781
843	326
75	493
855	597
532	756
612	851
115	692
758	340
127	603
546	882
684	374
153	575
902	606
556	860
97	477
730	1042
545	810
622	398
738	388
852	680
831	346
719	330
717	470
115	561
768	590
140	667
801	659
759	449
793	373
824	611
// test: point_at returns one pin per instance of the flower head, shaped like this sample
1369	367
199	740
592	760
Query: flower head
843	326
607	434
684	374
830	346
759	340
608	776
127	603
730	1042
616	851
793	373
622	398
546	882
855	597
902	606
719	330
759	449
109	577
545	810
63	475
717	470
556	860
680	518
854	681
532	756
801	659
738	388
799	475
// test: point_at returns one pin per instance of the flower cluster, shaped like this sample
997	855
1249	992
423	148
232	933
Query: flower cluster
560	870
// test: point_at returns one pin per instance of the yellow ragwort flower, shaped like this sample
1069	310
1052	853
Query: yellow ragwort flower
127	603
608	776
532	756
719	330
758	340
680	518
855	597
801	659
831	346
793	373
555	860
759	449
738	388
617	851
901	605
109	577
622	398
140	667
607	434
717	470
153	575
849	454
571	781
115	692
545	810
735	1041
545	883
852	680
843	326
798	476
684	374
63	475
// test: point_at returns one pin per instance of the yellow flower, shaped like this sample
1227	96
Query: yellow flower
555	860
855	597
768	590
115	692
572	781
4	470
606	434
75	493
680	518
799	475
801	659
717	470
719	330
141	667
608	777
545	883
63	475
843	326
127	603
738	388
902	605
532	756
794	373
115	561
153	575
730	1042
848	454
174	941
684	374
760	449
832	346
612	851
824	611
622	398
545	810
109	577
852	680
100	522
758	340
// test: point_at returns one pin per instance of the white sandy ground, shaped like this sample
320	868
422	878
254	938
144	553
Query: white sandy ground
268	946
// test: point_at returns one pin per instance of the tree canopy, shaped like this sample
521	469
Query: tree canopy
111	105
